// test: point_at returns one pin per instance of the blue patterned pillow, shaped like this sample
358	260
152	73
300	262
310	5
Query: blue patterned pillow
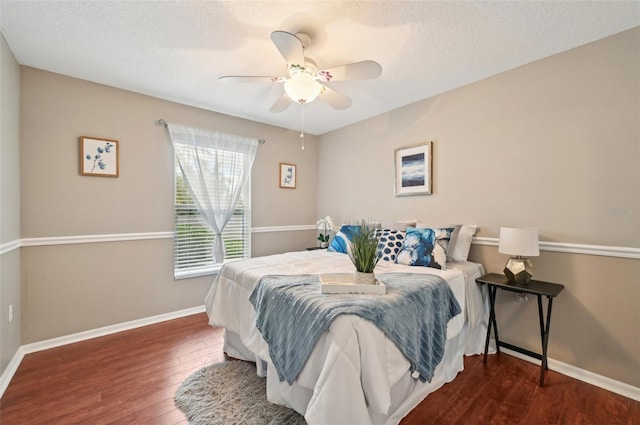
340	243
425	247
391	242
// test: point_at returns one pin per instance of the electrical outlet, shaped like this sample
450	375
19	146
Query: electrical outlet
10	313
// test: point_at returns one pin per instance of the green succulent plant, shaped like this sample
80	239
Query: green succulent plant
363	248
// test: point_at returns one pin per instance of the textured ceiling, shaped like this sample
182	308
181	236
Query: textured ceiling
176	50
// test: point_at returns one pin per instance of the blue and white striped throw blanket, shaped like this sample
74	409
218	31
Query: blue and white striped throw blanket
292	313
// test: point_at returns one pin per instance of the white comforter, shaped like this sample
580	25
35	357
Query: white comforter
355	375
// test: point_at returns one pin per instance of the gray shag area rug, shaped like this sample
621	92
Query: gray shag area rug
230	393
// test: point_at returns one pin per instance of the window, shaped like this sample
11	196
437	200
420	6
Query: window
193	240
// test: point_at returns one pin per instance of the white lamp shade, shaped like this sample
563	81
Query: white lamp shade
302	88
522	242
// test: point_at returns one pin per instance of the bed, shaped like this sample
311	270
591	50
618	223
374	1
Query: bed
354	374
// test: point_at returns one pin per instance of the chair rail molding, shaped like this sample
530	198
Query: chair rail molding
574	248
10	246
571	248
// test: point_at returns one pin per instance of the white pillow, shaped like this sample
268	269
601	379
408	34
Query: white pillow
398	225
462	244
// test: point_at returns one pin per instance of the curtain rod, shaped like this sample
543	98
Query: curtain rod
163	123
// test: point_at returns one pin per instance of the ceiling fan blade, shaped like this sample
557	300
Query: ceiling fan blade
334	99
250	79
290	47
354	71
281	104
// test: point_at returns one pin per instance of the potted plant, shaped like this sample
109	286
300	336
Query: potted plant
365	253
325	225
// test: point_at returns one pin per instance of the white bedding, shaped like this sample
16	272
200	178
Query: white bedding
354	374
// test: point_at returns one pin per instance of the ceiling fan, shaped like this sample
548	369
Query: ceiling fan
304	82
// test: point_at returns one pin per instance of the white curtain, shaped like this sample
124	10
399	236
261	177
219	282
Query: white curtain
215	166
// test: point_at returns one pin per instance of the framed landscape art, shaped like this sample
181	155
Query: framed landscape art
414	170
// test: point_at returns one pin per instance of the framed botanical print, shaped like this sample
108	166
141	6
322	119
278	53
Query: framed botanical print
99	157
287	176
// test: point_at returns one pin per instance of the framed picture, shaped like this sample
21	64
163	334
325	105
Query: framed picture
98	157
287	176
414	170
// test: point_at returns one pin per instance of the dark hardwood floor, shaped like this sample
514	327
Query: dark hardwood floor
131	377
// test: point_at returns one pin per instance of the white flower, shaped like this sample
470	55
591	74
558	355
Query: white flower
326	224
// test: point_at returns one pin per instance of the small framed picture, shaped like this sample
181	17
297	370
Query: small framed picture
287	176
98	157
414	170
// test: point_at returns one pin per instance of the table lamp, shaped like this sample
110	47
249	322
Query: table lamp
520	243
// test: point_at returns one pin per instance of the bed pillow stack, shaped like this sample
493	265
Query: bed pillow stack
418	245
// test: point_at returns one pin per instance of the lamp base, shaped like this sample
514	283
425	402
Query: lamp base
519	270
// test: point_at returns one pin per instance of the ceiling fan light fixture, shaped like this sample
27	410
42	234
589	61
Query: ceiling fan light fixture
302	88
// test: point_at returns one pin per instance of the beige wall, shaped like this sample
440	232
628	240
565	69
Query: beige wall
9	145
9	203
554	144
71	288
57	110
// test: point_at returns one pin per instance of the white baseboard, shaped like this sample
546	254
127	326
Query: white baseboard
11	369
600	381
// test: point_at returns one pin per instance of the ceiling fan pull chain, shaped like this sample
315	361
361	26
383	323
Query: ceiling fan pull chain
302	125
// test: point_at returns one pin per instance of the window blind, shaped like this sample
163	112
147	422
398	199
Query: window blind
194	239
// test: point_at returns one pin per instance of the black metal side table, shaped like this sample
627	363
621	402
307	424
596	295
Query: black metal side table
534	287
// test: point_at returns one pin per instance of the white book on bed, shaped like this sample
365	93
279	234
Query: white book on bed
342	283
